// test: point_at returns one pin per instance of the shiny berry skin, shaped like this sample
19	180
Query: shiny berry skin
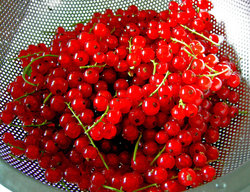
187	93
178	112
151	106
208	173
81	58
172	128
100	30
53	175
161	137
174	147
130	132
183	161
200	159
57	103
186	176
32	152
234	80
100	103
140	164
73	130
91	76
72	174
109	131
134	92
212	153
166	161
58	86
129	181
221	109
136	117
159	174
97	179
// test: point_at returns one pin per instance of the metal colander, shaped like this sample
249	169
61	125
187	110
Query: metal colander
27	22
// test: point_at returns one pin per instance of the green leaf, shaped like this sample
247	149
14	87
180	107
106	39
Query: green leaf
28	70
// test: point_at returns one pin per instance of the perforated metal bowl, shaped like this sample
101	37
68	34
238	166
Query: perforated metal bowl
23	22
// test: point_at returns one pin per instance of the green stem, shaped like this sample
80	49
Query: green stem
32	125
130	45
83	22
17	158
89	137
190	64
158	155
111	188
47	98
211	69
25	56
155	64
163	81
91	29
24	95
199	34
216	74
183	105
92	66
64	185
146	187
99	120
243	112
27	68
183	43
113	30
15	147
136	147
190	54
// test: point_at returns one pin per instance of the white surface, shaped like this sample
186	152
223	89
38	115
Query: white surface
4	189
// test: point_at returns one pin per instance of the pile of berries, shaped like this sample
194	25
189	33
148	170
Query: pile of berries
128	101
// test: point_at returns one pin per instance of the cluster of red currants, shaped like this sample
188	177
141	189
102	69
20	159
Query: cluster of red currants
128	101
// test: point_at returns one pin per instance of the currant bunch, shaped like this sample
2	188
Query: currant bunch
131	100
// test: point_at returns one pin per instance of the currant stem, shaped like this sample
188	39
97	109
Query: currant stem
243	112
211	69
130	45
27	68
111	188
91	29
17	158
163	81
47	98
158	155
32	125
190	64
183	43
199	34
15	147
99	120
148	186
174	177
92	66
155	64
89	137
64	185
190	54
136	147
183	105
81	22
24	95
25	56
113	30
216	74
